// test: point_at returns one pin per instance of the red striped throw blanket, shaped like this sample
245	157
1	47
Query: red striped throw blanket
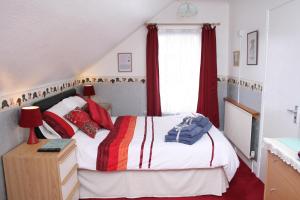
113	150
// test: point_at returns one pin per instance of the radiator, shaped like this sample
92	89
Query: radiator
238	125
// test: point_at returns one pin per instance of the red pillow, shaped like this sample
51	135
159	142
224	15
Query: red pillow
99	115
83	121
58	124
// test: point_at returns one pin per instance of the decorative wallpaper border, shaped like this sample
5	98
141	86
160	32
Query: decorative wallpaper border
18	99
31	95
253	85
34	94
222	78
112	79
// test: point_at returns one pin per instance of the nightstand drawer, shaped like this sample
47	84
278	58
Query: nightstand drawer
68	187
66	165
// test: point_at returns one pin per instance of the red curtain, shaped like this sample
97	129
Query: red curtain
208	84
153	94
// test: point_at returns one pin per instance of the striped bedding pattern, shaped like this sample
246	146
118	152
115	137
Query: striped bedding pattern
113	150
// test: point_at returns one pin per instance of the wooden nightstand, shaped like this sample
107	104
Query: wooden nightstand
31	175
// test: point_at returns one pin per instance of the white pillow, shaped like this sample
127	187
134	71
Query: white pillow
60	109
48	132
74	101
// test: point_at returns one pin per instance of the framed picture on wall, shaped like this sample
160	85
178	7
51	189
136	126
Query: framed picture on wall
124	62
236	58
252	48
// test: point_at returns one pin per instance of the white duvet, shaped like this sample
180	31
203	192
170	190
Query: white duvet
165	156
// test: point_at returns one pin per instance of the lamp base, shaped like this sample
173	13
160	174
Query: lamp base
32	139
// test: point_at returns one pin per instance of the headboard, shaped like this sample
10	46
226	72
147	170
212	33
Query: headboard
49	102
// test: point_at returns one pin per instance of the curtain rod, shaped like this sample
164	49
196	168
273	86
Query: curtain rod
182	24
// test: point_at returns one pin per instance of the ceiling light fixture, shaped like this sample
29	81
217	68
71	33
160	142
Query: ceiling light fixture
187	9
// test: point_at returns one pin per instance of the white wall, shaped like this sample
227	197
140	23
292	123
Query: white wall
108	65
208	11
247	16
53	40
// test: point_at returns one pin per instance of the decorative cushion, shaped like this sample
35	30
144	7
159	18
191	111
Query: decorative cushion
83	121
58	124
99	115
85	108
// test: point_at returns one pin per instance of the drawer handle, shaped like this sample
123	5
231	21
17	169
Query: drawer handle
273	189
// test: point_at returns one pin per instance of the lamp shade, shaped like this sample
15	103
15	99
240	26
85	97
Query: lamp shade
30	117
88	90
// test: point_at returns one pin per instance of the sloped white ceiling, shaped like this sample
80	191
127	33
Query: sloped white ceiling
43	41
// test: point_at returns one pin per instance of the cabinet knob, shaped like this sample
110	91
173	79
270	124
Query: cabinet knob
273	189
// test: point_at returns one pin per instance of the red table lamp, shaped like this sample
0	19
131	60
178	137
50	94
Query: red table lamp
31	117
88	90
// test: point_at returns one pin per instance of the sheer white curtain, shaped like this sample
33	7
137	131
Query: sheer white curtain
179	69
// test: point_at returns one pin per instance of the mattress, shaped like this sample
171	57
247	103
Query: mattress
169	183
148	150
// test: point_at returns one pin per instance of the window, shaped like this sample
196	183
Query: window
179	69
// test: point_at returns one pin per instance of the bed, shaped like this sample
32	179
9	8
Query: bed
153	168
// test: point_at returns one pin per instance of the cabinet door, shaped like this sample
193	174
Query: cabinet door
282	180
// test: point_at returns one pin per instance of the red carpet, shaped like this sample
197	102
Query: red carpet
244	186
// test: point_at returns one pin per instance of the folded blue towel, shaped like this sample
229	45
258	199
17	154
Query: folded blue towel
170	138
183	128
203	122
207	127
188	138
183	139
197	131
193	132
200	121
189	130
